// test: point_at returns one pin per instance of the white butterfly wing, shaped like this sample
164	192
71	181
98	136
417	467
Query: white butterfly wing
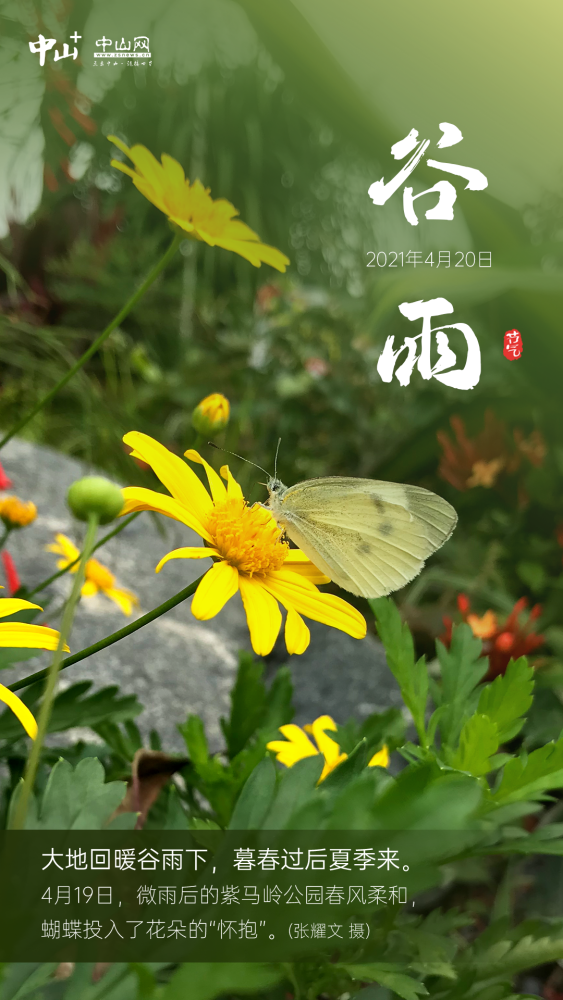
371	537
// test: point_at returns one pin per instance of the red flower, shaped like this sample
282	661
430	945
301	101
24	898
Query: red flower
501	642
5	482
11	573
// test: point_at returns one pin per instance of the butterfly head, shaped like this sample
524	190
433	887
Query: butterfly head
276	489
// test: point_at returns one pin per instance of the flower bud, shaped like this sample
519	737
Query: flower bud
211	415
17	513
95	495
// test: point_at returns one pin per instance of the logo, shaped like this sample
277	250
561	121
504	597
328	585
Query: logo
136	51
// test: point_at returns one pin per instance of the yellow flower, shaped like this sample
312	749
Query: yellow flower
248	551
17	513
484	627
22	635
190	206
212	414
97	577
297	745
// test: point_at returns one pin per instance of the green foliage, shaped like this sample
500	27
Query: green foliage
391	976
461	667
478	741
411	675
529	776
76	799
74	707
256	714
206	980
507	699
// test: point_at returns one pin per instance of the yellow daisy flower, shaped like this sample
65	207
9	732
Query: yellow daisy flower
190	206
297	745
248	551
22	635
97	577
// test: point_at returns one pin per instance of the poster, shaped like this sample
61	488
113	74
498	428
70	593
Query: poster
280	491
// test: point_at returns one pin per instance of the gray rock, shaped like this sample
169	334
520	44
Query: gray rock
176	665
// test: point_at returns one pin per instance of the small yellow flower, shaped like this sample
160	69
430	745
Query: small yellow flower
190	206
17	513
212	414
484	627
248	551
297	745
97	577
22	635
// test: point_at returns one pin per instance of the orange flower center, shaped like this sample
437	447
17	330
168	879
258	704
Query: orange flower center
99	575
247	537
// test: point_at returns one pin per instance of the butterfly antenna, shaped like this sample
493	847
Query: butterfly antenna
234	454
276	460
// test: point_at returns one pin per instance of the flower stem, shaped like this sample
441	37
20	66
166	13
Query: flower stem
4	537
102	541
52	674
115	636
97	343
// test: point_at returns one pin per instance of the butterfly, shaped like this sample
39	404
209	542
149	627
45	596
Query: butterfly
368	536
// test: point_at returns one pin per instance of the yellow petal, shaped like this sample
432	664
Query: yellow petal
219	584
89	588
148	166
298	562
174	474
139	498
124	599
64	547
10	605
20	635
293	590
120	144
329	749
218	491
296	745
18	708
380	759
233	488
187	552
263	615
297	635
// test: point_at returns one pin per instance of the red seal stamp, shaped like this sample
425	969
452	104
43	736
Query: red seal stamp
513	346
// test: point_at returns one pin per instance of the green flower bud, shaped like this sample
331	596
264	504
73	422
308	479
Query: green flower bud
95	495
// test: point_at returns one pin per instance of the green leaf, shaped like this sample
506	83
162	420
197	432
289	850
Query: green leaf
248	698
508	957
507	699
411	677
279	701
193	732
24	978
462	667
296	787
206	980
72	708
256	798
531	775
379	728
75	798
478	742
391	976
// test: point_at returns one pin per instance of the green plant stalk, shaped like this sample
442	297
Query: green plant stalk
102	541
5	535
115	636
97	343
52	674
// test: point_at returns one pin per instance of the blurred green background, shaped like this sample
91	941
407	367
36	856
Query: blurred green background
289	110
